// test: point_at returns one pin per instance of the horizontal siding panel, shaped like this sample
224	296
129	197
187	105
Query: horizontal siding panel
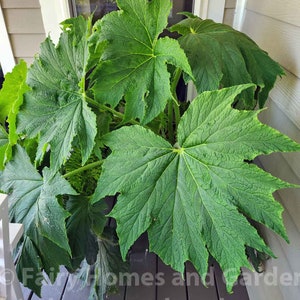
291	250
272	278
277	166
257	290
228	16
280	40
20	3
288	12
275	26
26	45
24	20
279	120
230	3
286	95
28	60
288	252
287	262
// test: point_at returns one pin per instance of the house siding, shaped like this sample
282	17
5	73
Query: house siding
275	26
24	26
229	12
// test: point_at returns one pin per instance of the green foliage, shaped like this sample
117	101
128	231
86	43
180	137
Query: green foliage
33	203
192	198
134	61
180	171
222	56
11	98
84	182
108	261
86	222
56	107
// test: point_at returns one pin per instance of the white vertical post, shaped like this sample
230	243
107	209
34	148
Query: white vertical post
10	288
210	9
239	14
216	10
7	59
53	13
201	8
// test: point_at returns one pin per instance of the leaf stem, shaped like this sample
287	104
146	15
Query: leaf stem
177	113
84	168
173	106
175	81
174	84
109	109
170	122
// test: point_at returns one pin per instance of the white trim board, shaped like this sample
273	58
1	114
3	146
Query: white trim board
53	13
210	9
7	59
239	14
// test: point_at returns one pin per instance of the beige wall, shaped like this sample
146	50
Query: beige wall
25	27
275	26
229	12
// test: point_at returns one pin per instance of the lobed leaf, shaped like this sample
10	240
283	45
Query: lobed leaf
134	62
194	198
33	202
56	107
222	56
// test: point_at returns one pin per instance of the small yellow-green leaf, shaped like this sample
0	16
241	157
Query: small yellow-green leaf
11	98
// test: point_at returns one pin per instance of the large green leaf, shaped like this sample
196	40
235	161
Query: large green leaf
85	223
108	262
135	60
193	198
56	106
222	56
11	98
33	203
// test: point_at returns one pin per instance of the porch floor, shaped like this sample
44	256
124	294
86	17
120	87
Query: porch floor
150	280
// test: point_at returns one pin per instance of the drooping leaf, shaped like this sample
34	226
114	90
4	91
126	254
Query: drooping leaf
33	203
85	223
11	98
29	266
135	60
56	106
194	198
108	262
222	56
